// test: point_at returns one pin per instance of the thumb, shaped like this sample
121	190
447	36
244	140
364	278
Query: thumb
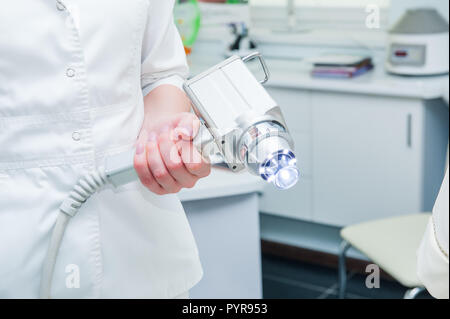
187	127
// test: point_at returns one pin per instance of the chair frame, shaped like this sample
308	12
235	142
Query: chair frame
342	274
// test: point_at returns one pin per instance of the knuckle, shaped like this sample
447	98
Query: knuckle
191	184
152	162
159	191
162	138
139	164
177	189
195	167
175	166
147	181
206	173
174	188
160	174
151	147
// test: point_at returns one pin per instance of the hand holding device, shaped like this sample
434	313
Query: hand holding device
240	122
166	160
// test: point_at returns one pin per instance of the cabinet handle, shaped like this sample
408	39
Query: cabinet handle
409	131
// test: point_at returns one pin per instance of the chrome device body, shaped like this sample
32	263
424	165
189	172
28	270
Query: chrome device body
241	122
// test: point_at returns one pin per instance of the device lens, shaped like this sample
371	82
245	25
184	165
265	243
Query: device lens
281	169
286	177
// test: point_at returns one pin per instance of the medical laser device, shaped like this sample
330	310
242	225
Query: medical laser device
241	124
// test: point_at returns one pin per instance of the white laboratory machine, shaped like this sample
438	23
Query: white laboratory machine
419	44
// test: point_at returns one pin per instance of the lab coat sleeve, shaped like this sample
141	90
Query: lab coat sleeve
163	55
433	263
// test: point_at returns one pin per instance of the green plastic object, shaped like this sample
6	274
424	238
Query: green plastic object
188	20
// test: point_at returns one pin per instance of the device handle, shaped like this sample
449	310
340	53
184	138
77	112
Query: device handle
206	146
259	56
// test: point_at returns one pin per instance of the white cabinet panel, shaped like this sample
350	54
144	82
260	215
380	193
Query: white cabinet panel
367	155
303	151
296	107
294	203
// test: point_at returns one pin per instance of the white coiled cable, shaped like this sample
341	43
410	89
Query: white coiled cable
86	186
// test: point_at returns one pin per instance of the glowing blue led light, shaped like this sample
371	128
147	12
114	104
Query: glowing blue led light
280	169
286	177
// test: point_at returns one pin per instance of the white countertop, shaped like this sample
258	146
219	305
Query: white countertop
223	183
295	75
376	82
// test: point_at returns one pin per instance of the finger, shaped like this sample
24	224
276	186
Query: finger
187	127
142	138
141	167
193	160
174	163
158	168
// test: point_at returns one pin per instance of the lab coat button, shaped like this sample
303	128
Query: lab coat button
76	136
60	6
70	73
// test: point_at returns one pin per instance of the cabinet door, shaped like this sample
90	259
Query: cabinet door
296	107
367	161
295	202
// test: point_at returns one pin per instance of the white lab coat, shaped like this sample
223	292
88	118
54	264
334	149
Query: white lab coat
433	266
71	79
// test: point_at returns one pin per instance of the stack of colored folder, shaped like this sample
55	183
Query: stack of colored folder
341	66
